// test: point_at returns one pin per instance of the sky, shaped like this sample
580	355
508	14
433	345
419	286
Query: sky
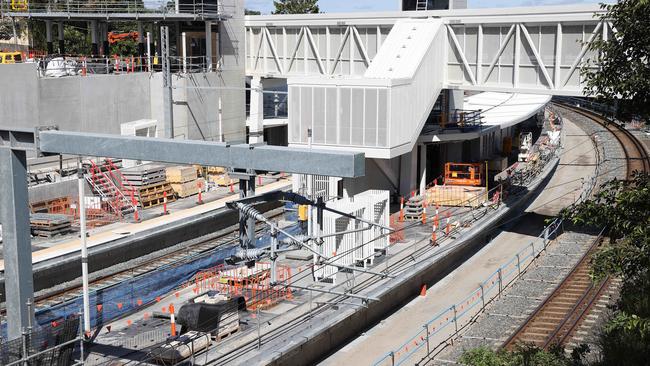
337	6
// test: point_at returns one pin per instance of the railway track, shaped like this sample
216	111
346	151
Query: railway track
636	155
555	321
557	318
224	238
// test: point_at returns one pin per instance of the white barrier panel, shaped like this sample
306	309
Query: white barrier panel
353	246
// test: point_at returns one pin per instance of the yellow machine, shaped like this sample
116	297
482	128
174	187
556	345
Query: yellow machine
464	174
10	57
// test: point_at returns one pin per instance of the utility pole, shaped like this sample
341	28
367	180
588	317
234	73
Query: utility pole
84	246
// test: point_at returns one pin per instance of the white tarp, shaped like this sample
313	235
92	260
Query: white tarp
58	67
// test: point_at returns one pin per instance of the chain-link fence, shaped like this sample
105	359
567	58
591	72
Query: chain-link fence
56	344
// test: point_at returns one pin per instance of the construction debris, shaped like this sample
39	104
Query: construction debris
414	208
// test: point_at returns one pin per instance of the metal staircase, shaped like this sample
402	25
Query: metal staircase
421	5
108	182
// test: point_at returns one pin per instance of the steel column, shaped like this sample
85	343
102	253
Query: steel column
17	248
48	37
94	50
256	133
84	246
168	99
61	39
208	45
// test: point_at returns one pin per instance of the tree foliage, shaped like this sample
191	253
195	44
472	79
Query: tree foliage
252	12
523	354
296	6
619	73
624	208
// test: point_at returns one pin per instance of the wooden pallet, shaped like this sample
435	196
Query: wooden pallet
156	201
154	189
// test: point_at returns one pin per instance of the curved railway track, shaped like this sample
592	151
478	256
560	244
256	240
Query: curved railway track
636	155
556	320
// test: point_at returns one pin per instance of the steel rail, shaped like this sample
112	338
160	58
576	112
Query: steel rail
521	330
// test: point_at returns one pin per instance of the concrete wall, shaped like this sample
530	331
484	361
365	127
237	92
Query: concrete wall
19	96
100	103
97	103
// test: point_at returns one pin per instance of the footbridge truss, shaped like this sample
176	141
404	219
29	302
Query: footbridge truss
534	49
368	82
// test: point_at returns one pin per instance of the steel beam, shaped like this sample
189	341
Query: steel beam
17	246
242	156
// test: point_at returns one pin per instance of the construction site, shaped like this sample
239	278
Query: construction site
335	189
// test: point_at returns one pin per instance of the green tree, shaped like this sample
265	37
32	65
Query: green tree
619	73
296	6
252	12
624	208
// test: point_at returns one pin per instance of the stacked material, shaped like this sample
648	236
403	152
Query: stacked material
184	180
222	180
47	225
149	184
414	208
144	175
456	196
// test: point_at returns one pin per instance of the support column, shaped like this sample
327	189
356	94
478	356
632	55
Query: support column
140	42
208	45
106	45
17	246
84	247
48	37
61	39
251	220
423	168
168	100
94	50
408	173
256	129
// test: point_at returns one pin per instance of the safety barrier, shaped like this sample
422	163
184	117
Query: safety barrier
195	7
465	311
254	284
76	65
57	343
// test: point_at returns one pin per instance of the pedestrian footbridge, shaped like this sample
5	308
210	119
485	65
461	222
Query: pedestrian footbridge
368	82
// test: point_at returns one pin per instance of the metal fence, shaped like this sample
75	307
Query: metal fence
56	343
196	7
63	66
462	313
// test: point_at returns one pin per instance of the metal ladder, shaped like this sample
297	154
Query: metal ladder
421	5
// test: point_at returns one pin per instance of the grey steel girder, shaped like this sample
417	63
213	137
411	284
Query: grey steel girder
241	156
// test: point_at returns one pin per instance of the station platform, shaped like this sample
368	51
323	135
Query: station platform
320	317
151	220
576	162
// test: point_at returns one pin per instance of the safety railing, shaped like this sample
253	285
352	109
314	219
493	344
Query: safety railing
63	66
194	7
463	312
